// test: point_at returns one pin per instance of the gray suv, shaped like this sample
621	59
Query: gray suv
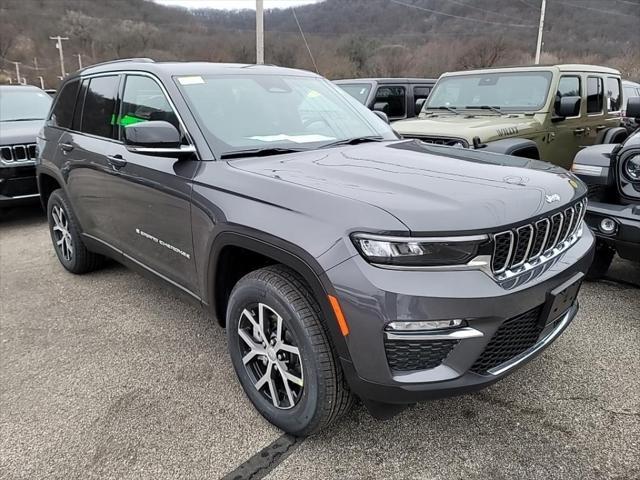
342	260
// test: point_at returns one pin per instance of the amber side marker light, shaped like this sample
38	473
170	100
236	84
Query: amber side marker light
342	322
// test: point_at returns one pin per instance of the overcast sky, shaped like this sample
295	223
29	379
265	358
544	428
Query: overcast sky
235	4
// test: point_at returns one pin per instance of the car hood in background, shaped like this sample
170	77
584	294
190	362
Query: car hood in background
431	189
12	133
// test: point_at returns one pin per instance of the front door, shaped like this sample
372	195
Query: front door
567	135
152	194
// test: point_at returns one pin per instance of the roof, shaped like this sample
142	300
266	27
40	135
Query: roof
20	87
568	67
189	68
386	80
629	83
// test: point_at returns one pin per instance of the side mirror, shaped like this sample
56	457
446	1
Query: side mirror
569	107
382	115
156	133
419	104
633	107
380	107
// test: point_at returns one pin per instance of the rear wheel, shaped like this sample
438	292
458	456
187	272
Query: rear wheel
601	261
65	235
282	354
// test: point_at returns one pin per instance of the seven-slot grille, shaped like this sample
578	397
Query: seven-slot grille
513	248
18	153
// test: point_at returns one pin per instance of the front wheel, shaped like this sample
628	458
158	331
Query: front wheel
601	261
282	354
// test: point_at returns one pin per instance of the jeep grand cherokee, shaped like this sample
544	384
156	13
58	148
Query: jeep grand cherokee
342	260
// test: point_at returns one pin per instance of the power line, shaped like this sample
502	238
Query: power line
608	12
466	5
629	3
517	25
529	5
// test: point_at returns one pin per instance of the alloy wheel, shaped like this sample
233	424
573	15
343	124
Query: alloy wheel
270	356
61	234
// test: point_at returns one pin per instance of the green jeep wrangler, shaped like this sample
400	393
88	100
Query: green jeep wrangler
541	112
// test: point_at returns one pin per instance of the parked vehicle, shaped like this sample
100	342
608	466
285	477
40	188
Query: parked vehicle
630	90
541	112
22	113
341	260
397	98
612	173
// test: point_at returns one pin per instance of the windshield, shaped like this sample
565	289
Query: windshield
242	112
359	91
518	91
21	104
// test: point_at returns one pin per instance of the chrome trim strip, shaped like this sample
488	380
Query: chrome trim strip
384	238
20	197
550	337
544	240
456	334
526	253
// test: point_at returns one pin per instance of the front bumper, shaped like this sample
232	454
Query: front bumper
384	296
626	238
18	185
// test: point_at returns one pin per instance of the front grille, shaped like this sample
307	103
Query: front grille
10	154
512	248
448	141
407	355
514	336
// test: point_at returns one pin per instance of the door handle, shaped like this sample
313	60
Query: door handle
579	131
66	147
116	161
600	127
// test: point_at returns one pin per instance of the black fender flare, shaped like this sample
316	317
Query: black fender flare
513	146
286	253
612	135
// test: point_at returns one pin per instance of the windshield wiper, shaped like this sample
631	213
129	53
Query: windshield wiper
484	107
443	107
353	141
260	152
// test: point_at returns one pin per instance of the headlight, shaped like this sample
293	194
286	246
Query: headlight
632	168
418	252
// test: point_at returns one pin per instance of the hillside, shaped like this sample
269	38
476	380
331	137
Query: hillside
346	37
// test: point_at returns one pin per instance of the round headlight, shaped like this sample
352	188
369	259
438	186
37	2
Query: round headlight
632	168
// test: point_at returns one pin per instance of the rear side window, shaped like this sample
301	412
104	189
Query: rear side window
394	98
99	107
614	99
567	87
144	100
595	95
62	114
421	92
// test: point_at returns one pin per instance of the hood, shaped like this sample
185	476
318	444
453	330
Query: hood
431	189
468	126
12	133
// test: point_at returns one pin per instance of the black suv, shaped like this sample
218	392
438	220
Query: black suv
23	109
342	260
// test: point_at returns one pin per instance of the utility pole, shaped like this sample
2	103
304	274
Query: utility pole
41	81
540	29
17	64
59	40
79	55
259	32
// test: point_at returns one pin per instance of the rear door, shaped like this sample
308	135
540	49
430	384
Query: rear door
392	100
596	109
151	194
84	152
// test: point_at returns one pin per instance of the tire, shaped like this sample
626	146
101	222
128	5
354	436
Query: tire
65	236
319	395
601	261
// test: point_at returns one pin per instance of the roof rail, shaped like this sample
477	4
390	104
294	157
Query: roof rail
108	62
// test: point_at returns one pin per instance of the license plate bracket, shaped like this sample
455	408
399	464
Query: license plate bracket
560	299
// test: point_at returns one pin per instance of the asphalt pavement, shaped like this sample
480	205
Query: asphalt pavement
109	375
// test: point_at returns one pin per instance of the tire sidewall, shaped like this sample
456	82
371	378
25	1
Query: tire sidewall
303	416
57	199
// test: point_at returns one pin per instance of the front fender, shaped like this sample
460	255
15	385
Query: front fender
519	147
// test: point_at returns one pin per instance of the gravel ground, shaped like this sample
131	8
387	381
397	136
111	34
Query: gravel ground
110	376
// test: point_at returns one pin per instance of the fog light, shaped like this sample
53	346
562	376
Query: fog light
421	326
608	226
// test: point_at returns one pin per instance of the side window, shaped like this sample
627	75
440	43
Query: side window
595	95
394	98
99	106
144	100
62	114
567	87
77	116
420	95
614	99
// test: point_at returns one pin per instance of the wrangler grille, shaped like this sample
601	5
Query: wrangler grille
11	154
512	248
